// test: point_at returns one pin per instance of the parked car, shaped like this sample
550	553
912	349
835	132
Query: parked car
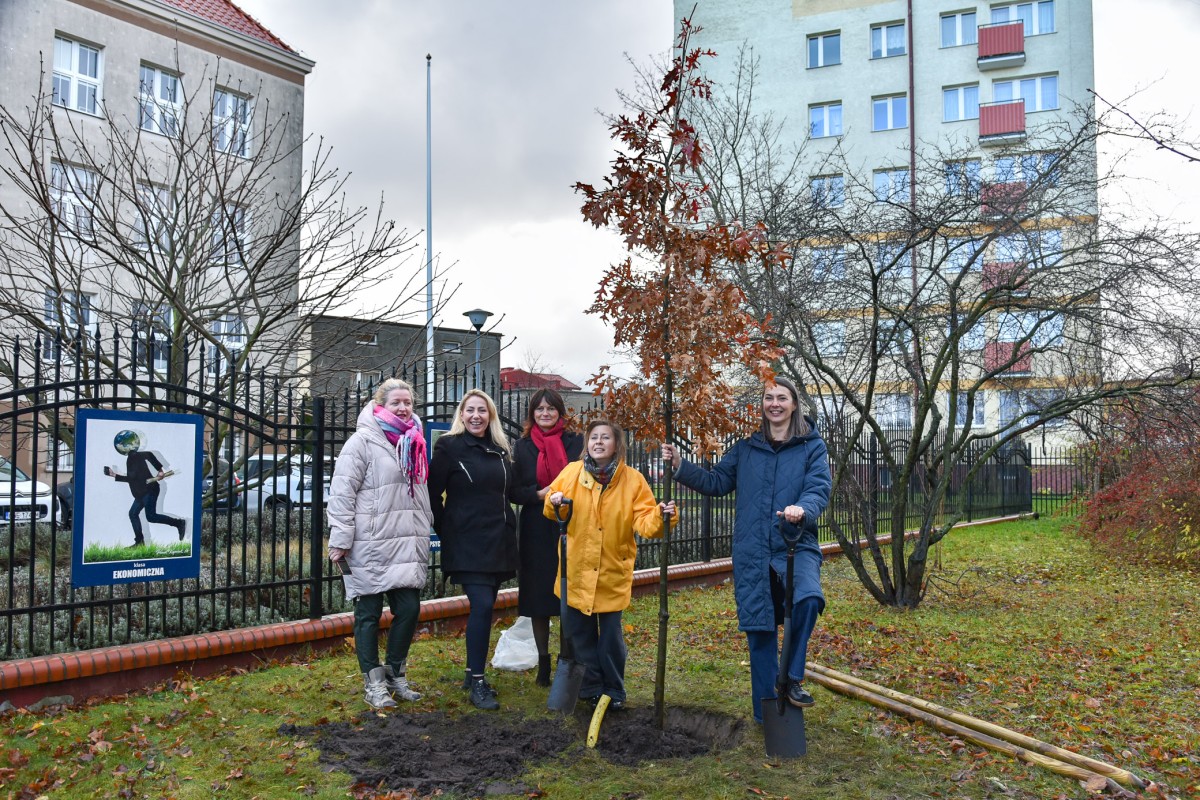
22	499
228	492
280	482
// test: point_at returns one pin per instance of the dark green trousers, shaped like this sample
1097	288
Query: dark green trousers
406	608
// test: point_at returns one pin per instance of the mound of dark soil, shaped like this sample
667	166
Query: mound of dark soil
477	752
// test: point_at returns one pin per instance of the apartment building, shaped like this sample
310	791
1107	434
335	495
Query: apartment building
936	126
148	142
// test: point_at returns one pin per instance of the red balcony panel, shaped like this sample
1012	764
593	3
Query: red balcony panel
1002	199
1008	357
1001	40
1002	119
1002	273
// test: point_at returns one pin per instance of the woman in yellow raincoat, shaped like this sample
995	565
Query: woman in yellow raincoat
611	502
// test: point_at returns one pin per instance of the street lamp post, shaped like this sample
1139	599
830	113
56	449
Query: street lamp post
478	317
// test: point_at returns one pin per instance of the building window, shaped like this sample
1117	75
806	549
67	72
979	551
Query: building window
889	113
829	191
959	29
1039	328
452	348
152	228
1030	168
962	177
1038	17
152	335
960	102
231	123
825	120
969	340
230	334
160	101
969	409
1034	248
77	70
829	263
72	193
1039	94
229	237
68	312
962	253
891	186
887	40
1023	406
367	339
829	338
894	257
893	410
824	50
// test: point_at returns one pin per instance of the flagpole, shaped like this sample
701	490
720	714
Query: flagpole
429	363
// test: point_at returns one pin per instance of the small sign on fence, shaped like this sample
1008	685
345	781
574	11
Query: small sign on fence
137	497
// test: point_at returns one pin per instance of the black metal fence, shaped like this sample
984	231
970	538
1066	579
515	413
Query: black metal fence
269	458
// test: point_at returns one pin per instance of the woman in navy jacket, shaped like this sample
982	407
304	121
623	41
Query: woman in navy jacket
780	471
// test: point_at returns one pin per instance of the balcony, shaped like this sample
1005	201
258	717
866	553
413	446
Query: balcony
1003	275
1001	123
1001	45
1008	358
1002	200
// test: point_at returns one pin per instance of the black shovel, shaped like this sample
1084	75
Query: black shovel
783	723
568	674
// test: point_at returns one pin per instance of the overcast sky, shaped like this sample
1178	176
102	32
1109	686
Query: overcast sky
516	90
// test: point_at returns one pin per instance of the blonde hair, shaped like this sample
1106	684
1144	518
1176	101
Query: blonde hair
494	429
390	385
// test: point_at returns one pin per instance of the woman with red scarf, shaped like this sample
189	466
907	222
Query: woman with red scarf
379	519
540	454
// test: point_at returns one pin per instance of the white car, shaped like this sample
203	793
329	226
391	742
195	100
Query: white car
21	498
279	482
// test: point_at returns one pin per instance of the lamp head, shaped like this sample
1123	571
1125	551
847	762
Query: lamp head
478	317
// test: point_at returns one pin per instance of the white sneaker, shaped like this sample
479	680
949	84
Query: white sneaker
398	686
375	690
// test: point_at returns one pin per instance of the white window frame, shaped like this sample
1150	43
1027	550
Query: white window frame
971	340
828	191
160	101
232	122
825	120
958	413
78	76
960	102
72	198
1033	90
880	40
896	257
1028	13
819	57
828	263
71	313
1036	328
965	29
892	410
1027	167
963	177
1018	404
159	321
960	250
156	208
829	338
892	186
230	331
895	112
229	236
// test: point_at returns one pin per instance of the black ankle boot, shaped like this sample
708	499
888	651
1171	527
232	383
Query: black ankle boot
543	676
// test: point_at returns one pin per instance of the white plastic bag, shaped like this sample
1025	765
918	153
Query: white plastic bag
516	649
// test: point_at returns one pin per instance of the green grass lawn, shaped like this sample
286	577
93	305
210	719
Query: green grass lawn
1023	626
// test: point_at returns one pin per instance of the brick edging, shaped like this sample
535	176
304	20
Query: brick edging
122	668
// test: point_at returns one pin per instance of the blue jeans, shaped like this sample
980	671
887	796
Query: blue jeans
148	501
599	644
764	652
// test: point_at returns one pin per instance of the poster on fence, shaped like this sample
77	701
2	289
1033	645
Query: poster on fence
137	497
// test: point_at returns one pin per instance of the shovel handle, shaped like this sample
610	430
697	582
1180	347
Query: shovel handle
790	531
562	521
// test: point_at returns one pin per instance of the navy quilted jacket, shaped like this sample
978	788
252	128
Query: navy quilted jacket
766	481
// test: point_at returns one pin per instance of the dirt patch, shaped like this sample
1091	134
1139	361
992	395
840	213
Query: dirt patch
478	754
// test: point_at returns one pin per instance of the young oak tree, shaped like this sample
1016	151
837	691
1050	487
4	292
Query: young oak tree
669	301
914	302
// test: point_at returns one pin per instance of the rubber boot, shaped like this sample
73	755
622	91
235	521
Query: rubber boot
397	682
375	690
543	674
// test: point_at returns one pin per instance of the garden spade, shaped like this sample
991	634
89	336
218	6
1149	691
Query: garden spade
783	723
568	674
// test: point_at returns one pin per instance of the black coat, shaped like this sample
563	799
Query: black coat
474	520
140	467
539	536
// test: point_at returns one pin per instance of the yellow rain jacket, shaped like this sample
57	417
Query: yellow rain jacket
600	544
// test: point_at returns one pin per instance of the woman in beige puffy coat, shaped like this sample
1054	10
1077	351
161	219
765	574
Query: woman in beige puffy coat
379	521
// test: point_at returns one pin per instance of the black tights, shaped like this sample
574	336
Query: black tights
482	597
541	634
